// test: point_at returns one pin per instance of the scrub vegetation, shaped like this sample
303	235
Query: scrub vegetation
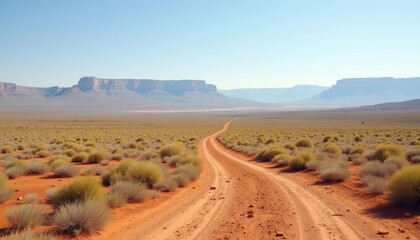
104	164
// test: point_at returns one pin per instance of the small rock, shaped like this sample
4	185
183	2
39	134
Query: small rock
407	214
382	232
53	185
416	222
19	198
279	234
251	206
212	188
337	215
17	190
250	212
250	216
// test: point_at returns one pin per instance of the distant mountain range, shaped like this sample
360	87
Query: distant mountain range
345	93
367	91
129	93
405	105
188	94
273	95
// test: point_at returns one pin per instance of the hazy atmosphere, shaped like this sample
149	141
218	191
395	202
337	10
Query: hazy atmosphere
232	44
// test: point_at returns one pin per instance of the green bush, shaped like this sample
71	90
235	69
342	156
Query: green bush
96	157
66	170
191	159
405	186
305	142
43	154
81	217
36	167
269	153
145	172
282	159
27	235
299	161
6	190
81	157
130	191
385	151
26	216
172	149
334	170
69	152
6	149
80	190
14	172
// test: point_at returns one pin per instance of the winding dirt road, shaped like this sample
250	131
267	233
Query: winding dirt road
236	198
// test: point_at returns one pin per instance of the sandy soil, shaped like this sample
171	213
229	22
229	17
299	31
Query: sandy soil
238	198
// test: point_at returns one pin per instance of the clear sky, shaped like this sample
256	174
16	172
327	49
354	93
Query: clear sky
232	44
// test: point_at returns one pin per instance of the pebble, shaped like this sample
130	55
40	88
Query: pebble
382	232
212	188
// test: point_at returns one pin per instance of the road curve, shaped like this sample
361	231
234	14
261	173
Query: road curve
238	199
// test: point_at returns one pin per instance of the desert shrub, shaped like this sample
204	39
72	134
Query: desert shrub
58	160
169	184
145	172
36	167
298	162
377	169
269	153
375	184
15	163
415	160
6	190
21	147
148	155
115	200
358	159
191	159
50	193
91	144
6	149
75	146
66	170
80	157
26	216
131	191
333	170
43	154
405	186
117	156
191	171
312	165
290	146
281	159
384	151
80	190
397	161
332	148
31	197
69	152
358	138
96	157
305	142
80	217
14	172
413	153
27	235
172	149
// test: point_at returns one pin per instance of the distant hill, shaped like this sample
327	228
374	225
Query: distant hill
272	95
367	91
394	106
121	93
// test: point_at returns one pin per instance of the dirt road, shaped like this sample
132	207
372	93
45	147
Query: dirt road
238	199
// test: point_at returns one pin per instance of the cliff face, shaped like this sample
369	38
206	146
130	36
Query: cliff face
111	87
177	88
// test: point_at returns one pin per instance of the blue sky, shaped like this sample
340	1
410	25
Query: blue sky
232	44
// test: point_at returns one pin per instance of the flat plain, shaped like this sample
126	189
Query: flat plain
266	175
